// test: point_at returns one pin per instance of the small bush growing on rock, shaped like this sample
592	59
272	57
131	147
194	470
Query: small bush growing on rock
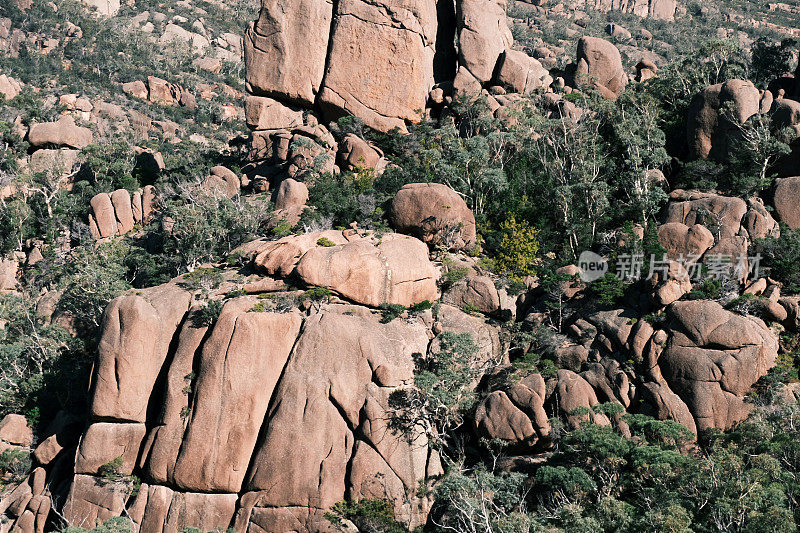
14	464
112	469
390	312
453	276
367	515
117	524
608	290
208	314
203	279
419	307
534	362
326	242
317	294
709	289
261	307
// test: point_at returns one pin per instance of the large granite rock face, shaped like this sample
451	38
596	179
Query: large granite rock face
712	360
483	35
380	65
377	60
264	416
711	126
286	49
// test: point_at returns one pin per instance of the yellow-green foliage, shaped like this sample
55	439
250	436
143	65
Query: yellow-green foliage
518	250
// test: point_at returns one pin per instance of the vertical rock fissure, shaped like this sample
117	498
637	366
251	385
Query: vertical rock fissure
158	392
331	30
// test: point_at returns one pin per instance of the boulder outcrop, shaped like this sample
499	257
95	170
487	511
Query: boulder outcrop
713	358
63	133
117	213
434	213
599	66
710	128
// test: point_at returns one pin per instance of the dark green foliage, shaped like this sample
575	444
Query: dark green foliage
110	167
391	311
111	470
208	314
317	294
771	60
15	464
608	290
117	524
782	256
372	515
709	289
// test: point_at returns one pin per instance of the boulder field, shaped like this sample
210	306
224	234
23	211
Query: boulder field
311	55
258	400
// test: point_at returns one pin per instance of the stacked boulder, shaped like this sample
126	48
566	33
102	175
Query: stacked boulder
655	9
265	417
118	212
307	57
699	226
599	67
695	371
160	91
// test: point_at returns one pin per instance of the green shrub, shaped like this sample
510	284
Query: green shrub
14	463
317	294
709	289
419	307
518	250
453	276
112	470
205	278
391	311
208	314
326	242
608	290
372	515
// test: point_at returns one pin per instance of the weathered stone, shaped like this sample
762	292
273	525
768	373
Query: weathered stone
522	73
104	216
327	391
355	153
103	443
483	35
475	292
14	430
240	365
399	60
710	128
681	240
713	358
285	50
64	132
434	213
137	330
396	271
263	113
599	65
291	193
123	210
787	197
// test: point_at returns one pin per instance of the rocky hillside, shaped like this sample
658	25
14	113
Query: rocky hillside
472	266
